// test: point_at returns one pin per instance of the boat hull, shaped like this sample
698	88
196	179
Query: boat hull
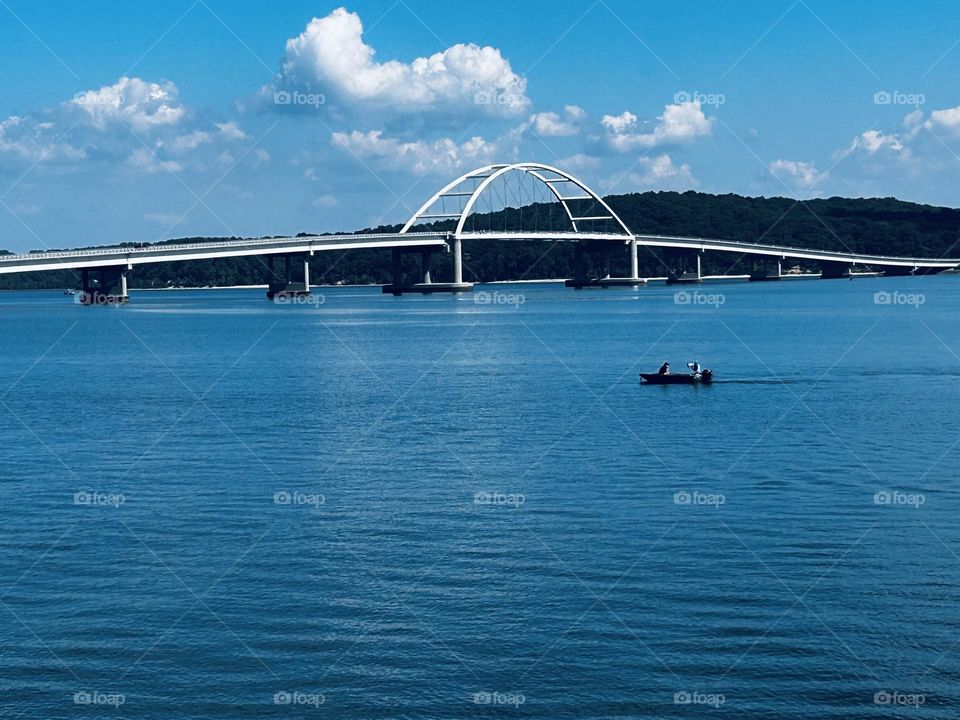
675	379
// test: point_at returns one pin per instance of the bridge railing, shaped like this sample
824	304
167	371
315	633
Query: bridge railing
158	248
788	249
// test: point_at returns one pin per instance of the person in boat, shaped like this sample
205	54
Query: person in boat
664	369
694	367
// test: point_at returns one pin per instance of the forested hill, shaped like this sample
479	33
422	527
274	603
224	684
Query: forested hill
883	226
878	226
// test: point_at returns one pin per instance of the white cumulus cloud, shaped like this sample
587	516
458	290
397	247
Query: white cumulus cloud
551	124
797	174
33	141
948	120
873	141
330	56
148	162
660	172
138	103
183	144
424	156
231	131
680	123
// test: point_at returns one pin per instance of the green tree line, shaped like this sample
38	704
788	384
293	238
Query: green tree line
881	226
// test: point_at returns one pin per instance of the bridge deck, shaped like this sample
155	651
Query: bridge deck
705	244
130	256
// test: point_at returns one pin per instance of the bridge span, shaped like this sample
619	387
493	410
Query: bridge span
447	219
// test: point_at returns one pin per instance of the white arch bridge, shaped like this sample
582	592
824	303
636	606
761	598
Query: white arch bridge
518	201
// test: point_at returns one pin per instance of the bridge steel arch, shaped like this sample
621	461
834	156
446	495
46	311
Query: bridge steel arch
487	175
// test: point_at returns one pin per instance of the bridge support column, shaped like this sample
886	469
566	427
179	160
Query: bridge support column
835	270
426	286
457	261
286	286
766	269
579	279
685	274
605	279
425	266
604	261
108	288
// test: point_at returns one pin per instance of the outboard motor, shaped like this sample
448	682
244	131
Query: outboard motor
706	376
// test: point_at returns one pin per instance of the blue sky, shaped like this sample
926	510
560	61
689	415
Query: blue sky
146	121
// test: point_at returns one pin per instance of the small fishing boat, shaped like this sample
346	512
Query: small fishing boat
704	377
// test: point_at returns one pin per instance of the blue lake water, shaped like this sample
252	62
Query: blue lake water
434	507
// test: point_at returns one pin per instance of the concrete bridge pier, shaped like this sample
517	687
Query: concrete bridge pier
109	287
282	284
426	285
603	248
766	269
688	271
835	270
633	280
579	278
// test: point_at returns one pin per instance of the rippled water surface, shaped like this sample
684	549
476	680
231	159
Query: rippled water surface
430	507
